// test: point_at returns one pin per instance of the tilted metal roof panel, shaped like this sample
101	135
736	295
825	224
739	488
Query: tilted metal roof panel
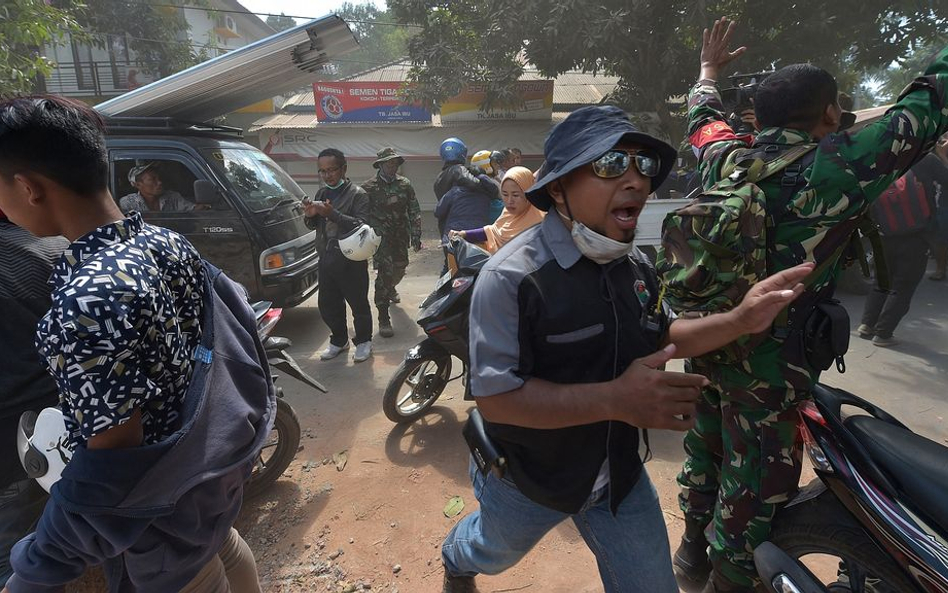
278	64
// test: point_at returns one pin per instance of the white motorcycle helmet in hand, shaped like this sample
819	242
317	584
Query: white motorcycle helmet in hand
360	243
41	443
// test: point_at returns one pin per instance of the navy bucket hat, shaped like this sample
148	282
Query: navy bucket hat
585	135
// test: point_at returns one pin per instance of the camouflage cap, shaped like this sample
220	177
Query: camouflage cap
387	154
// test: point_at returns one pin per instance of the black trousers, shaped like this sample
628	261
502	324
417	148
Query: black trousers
342	281
906	258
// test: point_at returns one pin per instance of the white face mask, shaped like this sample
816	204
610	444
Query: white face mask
599	248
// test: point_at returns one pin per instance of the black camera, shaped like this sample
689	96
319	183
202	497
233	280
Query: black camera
740	97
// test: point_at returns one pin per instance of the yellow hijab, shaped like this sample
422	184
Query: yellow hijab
507	226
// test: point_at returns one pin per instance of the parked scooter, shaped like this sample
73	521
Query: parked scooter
426	371
284	440
879	506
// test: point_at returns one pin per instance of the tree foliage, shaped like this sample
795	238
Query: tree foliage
156	35
652	45
281	23
381	38
25	27
892	79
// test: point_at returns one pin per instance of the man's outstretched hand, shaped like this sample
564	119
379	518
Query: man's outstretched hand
764	301
715	48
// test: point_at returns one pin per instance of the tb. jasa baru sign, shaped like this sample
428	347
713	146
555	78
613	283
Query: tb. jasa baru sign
348	102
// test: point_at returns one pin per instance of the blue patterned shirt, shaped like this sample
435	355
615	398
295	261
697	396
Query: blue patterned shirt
122	329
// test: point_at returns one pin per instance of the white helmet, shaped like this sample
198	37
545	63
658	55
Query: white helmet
360	244
41	442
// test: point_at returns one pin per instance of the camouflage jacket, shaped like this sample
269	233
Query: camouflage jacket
393	207
849	171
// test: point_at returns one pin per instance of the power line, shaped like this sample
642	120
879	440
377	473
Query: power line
340	60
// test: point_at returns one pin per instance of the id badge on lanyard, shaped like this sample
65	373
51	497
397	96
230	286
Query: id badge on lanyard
652	319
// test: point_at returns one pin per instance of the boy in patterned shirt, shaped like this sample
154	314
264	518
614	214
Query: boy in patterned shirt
121	341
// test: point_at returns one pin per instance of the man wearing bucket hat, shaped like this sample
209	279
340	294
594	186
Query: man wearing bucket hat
395	215
568	337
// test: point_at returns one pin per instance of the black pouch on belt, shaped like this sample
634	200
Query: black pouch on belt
487	455
826	335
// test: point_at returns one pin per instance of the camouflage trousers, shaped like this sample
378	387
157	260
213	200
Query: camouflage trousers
744	458
390	261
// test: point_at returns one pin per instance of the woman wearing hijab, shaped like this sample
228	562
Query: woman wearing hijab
518	215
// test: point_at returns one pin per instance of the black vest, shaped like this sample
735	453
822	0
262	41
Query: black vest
585	324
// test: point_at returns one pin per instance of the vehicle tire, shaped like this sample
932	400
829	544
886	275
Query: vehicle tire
824	526
427	378
277	453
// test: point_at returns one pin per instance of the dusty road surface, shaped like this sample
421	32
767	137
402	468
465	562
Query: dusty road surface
377	523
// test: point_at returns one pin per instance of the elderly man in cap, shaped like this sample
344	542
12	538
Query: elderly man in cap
395	215
568	336
151	195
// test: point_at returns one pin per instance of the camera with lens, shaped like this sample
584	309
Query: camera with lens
740	97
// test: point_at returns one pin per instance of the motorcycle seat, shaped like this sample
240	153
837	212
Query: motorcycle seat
918	466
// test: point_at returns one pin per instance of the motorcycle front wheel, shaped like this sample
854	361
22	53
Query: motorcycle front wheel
824	536
415	387
277	452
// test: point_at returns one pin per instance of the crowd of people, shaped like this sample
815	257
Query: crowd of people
151	352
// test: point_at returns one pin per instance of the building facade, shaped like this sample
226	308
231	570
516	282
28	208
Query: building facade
93	74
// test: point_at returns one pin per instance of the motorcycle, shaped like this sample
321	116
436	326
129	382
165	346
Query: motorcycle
284	441
878	506
426	369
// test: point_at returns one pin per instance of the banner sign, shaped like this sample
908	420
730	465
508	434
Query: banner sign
348	102
536	103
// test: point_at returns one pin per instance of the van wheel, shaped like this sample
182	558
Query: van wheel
277	452
826	538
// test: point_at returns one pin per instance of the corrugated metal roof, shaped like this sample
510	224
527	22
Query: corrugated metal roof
395	72
281	121
278	64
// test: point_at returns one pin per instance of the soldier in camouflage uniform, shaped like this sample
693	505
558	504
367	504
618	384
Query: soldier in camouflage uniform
744	454
395	215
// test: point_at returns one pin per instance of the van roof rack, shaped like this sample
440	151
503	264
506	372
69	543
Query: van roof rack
168	125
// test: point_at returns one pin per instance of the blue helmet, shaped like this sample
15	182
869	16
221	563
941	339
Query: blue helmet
453	150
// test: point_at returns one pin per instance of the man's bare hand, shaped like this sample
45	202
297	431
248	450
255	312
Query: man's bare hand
715	48
749	117
317	208
764	301
651	398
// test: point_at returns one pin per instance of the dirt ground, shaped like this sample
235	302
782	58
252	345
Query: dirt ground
377	524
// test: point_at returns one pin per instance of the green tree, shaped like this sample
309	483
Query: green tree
381	38
652	45
25	27
893	78
281	23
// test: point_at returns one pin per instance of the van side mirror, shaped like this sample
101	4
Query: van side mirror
206	192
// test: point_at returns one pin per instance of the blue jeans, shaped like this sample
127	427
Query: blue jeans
21	505
631	548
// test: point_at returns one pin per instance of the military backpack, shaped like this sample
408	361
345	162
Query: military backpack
716	248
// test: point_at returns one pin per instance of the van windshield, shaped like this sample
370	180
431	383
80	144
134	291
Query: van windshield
259	181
